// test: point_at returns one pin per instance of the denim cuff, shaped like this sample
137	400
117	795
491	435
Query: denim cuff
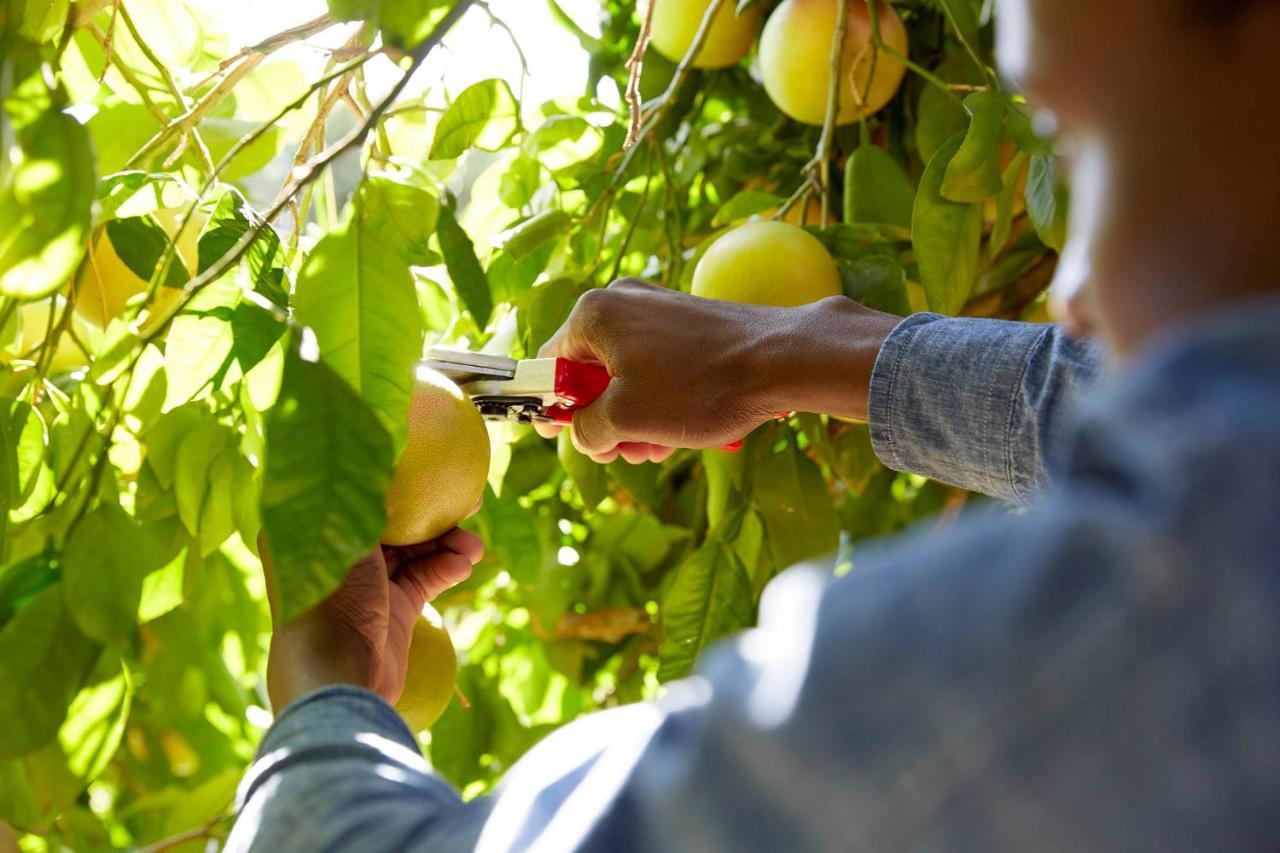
333	724
947	401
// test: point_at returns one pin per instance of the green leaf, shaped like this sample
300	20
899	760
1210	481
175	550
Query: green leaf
878	282
710	597
974	172
744	204
526	238
103	565
545	308
407	215
484	116
590	478
877	189
1047	201
47	196
406	23
1005	203
946	236
328	467
23	581
232	217
22	447
469	280
61	770
43	651
357	294
141	242
199	352
799	516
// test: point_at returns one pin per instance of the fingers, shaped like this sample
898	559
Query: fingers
424	580
440	565
547	430
595	431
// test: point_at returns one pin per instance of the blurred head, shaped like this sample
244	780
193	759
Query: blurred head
1162	110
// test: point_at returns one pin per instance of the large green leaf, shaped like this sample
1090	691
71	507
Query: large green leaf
877	189
328	466
60	771
710	597
946	235
46	193
468	277
141	242
44	659
104	563
484	116
357	294
1047	201
231	218
800	520
974	172
591	478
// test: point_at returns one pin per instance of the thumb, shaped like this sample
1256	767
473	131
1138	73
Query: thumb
595	429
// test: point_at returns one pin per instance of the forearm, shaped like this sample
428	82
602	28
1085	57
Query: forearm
820	357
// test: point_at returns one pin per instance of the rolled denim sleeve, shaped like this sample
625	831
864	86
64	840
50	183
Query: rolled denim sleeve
980	404
339	770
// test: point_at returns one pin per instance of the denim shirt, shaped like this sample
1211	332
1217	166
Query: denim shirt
1099	672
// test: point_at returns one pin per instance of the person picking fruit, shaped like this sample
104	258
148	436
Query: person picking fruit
1097	672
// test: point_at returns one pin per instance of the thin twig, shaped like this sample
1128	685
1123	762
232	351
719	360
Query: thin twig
310	172
144	91
821	162
206	159
969	49
635	65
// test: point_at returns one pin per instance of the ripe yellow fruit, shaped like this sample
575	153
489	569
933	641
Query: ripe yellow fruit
442	471
675	24
107	283
36	324
795	58
431	674
767	263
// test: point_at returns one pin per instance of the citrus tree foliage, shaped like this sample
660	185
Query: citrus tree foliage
258	382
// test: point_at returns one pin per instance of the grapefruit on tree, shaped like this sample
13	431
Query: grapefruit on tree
795	59
675	23
767	263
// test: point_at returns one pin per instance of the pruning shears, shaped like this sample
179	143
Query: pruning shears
527	391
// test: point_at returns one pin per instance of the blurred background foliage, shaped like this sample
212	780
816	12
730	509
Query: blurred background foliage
162	402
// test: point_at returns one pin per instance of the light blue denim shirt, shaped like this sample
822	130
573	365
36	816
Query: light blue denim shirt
1100	672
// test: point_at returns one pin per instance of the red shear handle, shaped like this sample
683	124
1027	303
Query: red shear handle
579	384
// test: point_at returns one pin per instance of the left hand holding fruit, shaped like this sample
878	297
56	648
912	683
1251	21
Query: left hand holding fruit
361	634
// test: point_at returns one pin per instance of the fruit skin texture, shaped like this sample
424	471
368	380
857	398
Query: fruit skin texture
107	283
795	54
675	23
767	263
441	473
431	673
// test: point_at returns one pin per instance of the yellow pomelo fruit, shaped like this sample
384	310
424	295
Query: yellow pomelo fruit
107	283
795	59
767	263
675	23
36	324
442	471
431	674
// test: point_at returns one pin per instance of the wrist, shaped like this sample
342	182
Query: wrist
301	661
820	357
